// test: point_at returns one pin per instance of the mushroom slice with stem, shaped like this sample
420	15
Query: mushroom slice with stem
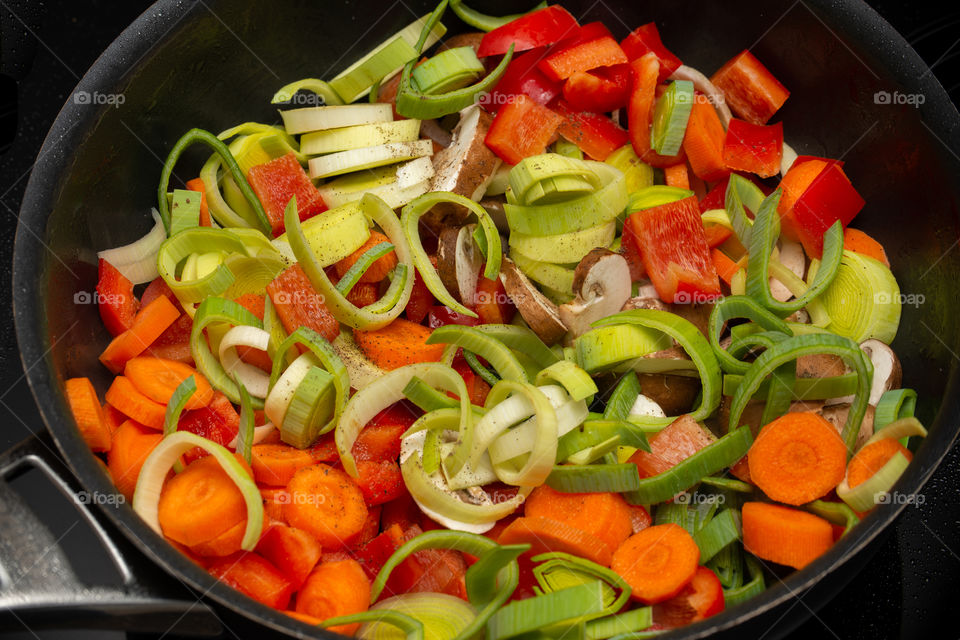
459	262
539	313
887	373
602	285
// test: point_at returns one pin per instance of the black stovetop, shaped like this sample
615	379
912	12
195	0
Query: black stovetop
906	591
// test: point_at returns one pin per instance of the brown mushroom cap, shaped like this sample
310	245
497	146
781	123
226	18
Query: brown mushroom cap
539	313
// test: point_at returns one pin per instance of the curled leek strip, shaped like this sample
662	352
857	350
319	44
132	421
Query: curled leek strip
577	382
558	570
572	605
379	395
319	87
594	478
216	310
741	192
483	345
763	237
597	432
482	21
410	218
245	433
522	340
243	373
836	512
146	497
171	420
194	242
795	347
380	313
207	138
696	346
737	307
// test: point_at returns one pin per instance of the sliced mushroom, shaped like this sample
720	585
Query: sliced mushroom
432	129
697	314
494	208
703	84
459	262
539	313
837	416
674	394
792	257
465	167
887	373
602	284
820	365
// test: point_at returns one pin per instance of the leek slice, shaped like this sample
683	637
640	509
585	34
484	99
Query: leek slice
334	117
486	346
410	219
439	616
384	61
192	241
755	587
902	428
207	138
282	389
670	116
360	267
311	407
521	340
707	461
624	395
335	164
551	276
246	375
530	172
573	604
874	490
314	85
603	348
894	405
137	261
795	347
806	388
594	478
377	617
735	308
246	432
837	513
577	382
637	174
333	235
654	196
184	210
863	300
742	193
563	248
558	570
211	311
723	529
448	70
601	206
385	310
629	622
356	137
146	496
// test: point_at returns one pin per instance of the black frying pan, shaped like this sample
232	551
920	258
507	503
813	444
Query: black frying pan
213	64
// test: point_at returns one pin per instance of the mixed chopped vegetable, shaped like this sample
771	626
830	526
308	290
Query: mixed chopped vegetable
537	331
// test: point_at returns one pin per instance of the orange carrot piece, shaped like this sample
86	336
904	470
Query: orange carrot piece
132	443
726	268
871	459
294	551
327	503
677	176
254	576
335	589
658	562
226	543
125	397
859	242
276	464
676	442
797	458
158	379
148	324
200	503
545	535
379	269
113	418
197	185
86	410
604	515
783	535
795	182
399	343
273	500
703	141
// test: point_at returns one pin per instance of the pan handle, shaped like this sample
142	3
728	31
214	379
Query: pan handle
38	588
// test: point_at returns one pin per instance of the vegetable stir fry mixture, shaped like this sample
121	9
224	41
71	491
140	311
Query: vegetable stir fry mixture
530	330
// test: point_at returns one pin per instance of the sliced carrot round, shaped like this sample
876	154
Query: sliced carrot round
335	589
604	515
276	464
327	503
783	535
871	459
797	458
200	503
658	562
132	443
158	378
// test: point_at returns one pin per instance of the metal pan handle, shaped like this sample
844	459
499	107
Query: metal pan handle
38	588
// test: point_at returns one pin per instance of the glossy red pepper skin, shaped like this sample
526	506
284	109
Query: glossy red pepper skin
522	77
755	148
537	29
646	39
751	91
603	51
441	316
675	252
522	129
277	181
596	135
115	300
830	197
600	90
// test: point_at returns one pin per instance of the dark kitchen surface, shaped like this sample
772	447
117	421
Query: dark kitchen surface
908	589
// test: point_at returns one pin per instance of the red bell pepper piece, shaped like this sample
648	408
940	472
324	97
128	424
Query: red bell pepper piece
493	305
420	301
477	389
277	181
254	576
218	422
299	305
583	56
596	135
755	148
546	26
675	252
600	90
380	482
751	91
381	441
174	342
703	141
374	554
441	316
115	300
631	253
716	197
646	39
701	598
521	129
522	77
293	551
642	96
827	197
